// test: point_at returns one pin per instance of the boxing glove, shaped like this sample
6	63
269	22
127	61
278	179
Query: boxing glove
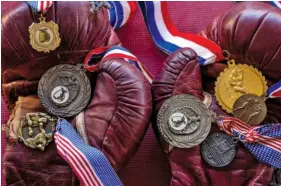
117	115
187	165
80	31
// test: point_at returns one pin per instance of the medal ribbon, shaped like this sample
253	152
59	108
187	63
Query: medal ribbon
264	141
40	6
89	164
120	11
276	3
169	39
98	55
274	90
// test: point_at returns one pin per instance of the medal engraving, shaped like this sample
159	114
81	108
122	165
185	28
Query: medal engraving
60	94
36	131
218	150
64	90
184	121
44	36
250	109
237	80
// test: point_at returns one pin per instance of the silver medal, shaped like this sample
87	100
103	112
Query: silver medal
64	90
184	121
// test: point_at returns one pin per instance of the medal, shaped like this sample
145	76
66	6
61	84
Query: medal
184	121
250	109
44	36
237	80
218	150
36	131
64	90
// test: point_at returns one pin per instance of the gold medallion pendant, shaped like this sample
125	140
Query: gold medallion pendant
44	36
237	80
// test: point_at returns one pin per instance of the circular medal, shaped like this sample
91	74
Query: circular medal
44	36
64	90
218	150
237	80
250	109
184	121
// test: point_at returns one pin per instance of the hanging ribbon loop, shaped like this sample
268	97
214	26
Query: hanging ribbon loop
274	90
98	55
40	6
169	39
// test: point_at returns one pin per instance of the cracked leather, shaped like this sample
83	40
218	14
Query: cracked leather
251	32
118	114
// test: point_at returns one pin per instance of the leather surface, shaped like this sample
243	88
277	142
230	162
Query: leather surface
118	114
246	45
22	66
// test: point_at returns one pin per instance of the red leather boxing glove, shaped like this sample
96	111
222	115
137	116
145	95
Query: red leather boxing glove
243	32
22	66
117	115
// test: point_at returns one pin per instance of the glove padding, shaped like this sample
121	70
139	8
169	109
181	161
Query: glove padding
22	66
249	33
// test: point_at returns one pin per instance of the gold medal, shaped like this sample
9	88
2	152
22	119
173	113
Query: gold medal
237	80
44	36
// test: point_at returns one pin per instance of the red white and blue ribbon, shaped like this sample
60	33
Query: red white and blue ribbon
276	3
274	91
119	12
263	141
89	164
40	6
96	56
169	39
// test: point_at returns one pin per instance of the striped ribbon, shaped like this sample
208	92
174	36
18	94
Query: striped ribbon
40	6
275	3
263	141
89	164
274	91
120	11
169	39
98	55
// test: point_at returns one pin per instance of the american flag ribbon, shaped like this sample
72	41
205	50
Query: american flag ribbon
89	164
40	6
263	141
169	39
120	12
98	55
274	91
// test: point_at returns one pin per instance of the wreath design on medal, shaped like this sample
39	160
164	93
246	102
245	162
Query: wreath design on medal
184	121
64	90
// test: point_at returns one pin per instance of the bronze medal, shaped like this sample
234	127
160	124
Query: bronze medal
237	80
184	121
250	109
64	90
44	36
36	131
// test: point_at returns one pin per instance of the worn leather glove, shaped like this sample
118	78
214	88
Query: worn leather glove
22	66
247	32
117	115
